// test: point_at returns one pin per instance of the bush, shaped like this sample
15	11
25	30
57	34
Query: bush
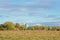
57	28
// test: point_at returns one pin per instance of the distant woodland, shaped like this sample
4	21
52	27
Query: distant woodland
11	26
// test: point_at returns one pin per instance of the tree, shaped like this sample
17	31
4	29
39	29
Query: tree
24	26
17	25
9	25
2	27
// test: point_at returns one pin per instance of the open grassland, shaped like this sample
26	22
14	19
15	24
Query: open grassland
30	35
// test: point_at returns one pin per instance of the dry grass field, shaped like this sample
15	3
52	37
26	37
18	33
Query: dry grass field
30	35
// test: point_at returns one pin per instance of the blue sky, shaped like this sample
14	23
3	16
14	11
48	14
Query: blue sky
30	11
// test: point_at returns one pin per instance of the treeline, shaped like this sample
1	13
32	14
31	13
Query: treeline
17	26
52	28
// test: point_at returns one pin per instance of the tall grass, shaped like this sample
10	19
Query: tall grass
29	35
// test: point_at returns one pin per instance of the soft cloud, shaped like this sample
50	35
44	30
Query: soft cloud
51	16
28	5
34	11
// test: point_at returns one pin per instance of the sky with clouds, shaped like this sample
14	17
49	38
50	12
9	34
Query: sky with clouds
30	11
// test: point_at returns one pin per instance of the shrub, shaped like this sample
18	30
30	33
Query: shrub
57	28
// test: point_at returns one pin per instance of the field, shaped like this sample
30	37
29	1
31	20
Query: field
30	35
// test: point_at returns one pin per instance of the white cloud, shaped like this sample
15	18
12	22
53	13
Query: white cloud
23	9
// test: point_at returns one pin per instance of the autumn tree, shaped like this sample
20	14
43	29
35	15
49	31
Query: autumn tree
17	26
9	25
24	26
